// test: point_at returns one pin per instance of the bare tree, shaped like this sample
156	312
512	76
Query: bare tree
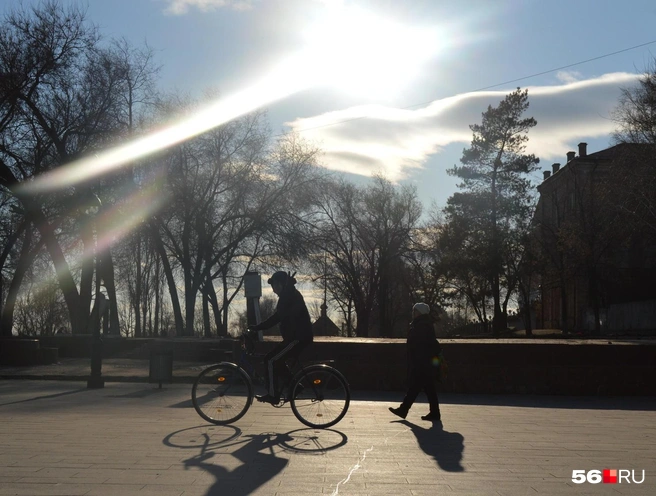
632	188
362	232
48	61
635	114
60	99
227	191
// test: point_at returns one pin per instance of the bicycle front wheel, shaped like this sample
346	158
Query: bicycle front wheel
222	393
320	396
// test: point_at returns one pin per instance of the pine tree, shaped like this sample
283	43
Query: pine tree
495	187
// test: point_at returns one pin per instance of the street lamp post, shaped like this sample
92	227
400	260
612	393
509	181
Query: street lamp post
95	379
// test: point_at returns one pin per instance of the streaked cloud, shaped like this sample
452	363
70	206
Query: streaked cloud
180	7
568	76
374	138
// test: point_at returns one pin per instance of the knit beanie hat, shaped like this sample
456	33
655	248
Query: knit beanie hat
422	308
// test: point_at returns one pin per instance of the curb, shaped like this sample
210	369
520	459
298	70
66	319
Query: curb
106	378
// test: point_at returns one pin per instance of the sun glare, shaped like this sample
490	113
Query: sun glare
364	54
350	48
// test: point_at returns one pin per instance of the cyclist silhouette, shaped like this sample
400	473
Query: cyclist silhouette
295	327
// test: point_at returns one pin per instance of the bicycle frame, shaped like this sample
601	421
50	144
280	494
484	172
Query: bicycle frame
318	393
295	372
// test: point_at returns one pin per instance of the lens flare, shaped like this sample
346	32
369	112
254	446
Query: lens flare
287	79
350	48
116	222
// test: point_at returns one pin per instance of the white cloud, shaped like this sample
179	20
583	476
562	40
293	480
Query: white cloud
180	7
568	76
373	138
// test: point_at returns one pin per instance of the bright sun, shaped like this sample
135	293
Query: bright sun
350	48
364	54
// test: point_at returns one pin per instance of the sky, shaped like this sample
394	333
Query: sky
392	87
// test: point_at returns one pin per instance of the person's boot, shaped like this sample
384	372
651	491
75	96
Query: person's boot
399	412
434	417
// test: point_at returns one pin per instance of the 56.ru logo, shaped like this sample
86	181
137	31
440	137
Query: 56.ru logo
607	476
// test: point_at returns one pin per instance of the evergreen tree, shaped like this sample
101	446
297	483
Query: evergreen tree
495	189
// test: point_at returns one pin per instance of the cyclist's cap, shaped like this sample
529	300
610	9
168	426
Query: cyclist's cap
280	277
422	308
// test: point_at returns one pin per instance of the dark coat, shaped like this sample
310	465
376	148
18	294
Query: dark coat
292	315
422	345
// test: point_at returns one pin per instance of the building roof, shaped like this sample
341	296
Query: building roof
615	151
323	326
606	155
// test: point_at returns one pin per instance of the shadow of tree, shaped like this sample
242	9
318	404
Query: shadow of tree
45	397
445	447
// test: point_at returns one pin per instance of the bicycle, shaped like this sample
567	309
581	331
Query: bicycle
317	392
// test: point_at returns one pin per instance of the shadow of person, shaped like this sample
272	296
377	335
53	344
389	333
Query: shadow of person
445	447
259	465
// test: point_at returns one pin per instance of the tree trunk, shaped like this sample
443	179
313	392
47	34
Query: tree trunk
25	259
362	327
170	280
137	290
62	269
349	319
145	329
190	293
190	303
107	265
9	245
207	328
214	303
86	276
499	322
383	325
156	330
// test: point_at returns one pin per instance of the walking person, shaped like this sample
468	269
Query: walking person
422	349
295	327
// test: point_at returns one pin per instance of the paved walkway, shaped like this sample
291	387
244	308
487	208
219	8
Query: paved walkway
60	438
113	370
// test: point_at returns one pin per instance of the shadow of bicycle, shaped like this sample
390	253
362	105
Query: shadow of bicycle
240	464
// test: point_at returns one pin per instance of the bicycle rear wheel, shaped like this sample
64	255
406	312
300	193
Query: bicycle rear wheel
222	393
319	396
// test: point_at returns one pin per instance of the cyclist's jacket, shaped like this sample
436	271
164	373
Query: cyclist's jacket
292	315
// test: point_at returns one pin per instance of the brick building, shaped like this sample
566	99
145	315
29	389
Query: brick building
598	270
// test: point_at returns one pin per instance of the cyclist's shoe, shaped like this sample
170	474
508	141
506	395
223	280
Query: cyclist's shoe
267	398
399	412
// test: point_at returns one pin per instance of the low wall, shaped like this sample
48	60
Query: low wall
26	352
79	346
506	366
523	366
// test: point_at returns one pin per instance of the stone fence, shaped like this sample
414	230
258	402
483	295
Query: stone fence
523	366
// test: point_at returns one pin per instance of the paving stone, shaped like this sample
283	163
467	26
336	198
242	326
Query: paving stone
58	438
